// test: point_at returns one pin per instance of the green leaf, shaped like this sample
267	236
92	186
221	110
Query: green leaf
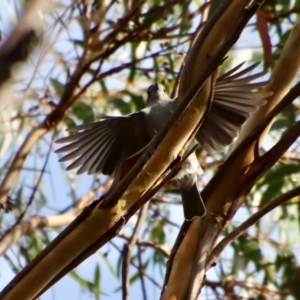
83	282
69	122
83	112
276	178
97	276
121	105
58	86
138	101
252	251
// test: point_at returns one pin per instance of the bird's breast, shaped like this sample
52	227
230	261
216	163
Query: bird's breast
158	116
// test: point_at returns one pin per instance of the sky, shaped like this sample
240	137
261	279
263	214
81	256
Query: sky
55	186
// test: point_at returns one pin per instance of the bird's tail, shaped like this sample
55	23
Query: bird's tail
192	202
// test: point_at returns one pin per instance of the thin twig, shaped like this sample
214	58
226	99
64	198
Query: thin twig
59	220
161	248
141	271
154	282
127	250
251	221
31	198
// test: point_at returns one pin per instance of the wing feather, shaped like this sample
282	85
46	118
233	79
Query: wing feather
102	145
234	101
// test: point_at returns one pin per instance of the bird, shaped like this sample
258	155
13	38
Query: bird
101	146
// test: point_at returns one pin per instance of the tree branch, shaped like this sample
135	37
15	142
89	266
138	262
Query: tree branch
251	221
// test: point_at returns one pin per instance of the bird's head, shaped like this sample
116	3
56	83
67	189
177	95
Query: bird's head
156	93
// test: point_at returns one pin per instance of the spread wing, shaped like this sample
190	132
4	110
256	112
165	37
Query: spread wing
102	145
233	102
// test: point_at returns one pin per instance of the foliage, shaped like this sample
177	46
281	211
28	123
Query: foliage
98	59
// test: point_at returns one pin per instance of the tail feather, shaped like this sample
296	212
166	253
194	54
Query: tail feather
192	202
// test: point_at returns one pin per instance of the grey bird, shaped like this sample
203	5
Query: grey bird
101	146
